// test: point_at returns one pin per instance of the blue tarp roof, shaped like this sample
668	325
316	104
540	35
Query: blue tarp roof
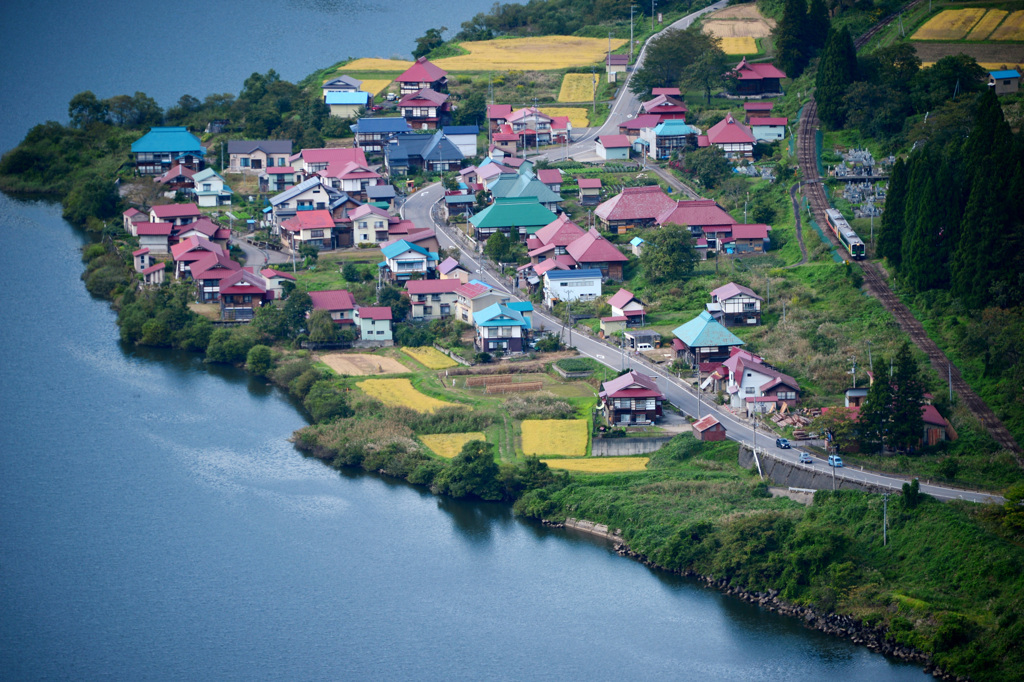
582	273
168	140
1004	74
636	241
387	124
462	130
359	98
704	330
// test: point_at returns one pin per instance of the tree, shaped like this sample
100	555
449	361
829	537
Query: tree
890	233
260	360
326	401
668	254
706	70
707	165
876	412
791	45
94	197
428	42
836	71
838	424
84	109
322	328
818	24
393	297
471	109
667	57
497	247
296	308
472	473
907	425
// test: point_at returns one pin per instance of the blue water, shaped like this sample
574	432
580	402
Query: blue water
155	521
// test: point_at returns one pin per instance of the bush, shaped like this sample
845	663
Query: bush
230	345
577	364
326	401
260	360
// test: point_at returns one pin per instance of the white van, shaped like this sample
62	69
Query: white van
644	346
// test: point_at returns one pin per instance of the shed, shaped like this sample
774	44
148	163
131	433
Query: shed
708	429
1004	82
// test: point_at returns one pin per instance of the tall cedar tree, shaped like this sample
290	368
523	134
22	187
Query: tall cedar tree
837	70
890	234
907	425
876	412
791	38
818	24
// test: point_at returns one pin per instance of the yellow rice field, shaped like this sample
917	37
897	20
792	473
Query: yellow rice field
1011	29
450	444
739	45
577	87
950	24
566	437
577	115
374	87
986	25
430	357
375	64
599	465
400	392
542	53
988	66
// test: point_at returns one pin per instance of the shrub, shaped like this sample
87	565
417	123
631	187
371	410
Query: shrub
577	364
326	401
259	361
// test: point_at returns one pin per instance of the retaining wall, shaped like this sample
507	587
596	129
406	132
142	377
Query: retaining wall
802	475
620	447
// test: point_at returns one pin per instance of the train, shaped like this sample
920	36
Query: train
845	234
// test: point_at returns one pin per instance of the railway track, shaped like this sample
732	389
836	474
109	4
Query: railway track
807	157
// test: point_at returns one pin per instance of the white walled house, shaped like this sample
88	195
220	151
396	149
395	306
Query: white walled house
571	285
768	129
733	304
374	325
613	147
210	189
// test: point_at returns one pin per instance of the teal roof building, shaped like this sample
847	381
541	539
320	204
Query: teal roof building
170	140
525	213
706	334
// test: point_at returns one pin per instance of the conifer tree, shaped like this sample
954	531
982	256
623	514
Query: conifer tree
836	71
907	425
890	235
818	24
791	38
875	412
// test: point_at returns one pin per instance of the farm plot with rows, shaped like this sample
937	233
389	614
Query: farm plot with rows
600	465
450	444
430	357
400	392
577	87
577	115
566	437
362	364
1012	28
950	24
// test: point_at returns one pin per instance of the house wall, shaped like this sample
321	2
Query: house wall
155	244
769	133
716	432
615	154
345	110
584	289
432	306
375	330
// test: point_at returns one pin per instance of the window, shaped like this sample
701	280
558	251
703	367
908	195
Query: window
435	297
445	309
247	298
207	187
750	390
244	163
428	310
380	331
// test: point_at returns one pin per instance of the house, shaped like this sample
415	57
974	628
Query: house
630	399
190	250
210	189
458	204
611	325
936	428
590	191
176	214
571	285
204	227
592	251
338	302
423	74
665	107
131	218
731	136
768	129
380	193
634	339
317	159
410	152
614	64
370	224
153	276
420	236
374	325
162	147
179	178
734	304
561	130
277	179
524	214
424	109
154	236
340	84
432	299
464	137
625	304
372	134
634	207
274	281
308	195
757	80
854	397
704	339
348	104
453	270
552	240
241	293
502	329
708	429
552	178
632	127
748	239
309	228
141	259
524	183
668	137
613	147
351	177
756	386
403	260
708	222
253	156
531	126
474	296
756	109
671	92
1004	82
636	245
497	116
208	271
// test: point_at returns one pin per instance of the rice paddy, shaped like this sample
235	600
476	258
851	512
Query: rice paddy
599	465
400	392
988	66
362	364
375	64
577	115
448	445
430	357
577	87
566	437
950	24
739	45
1012	27
541	53
374	87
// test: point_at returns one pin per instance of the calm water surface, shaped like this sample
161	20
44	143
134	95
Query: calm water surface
155	522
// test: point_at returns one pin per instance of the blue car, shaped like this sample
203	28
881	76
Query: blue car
835	461
782	443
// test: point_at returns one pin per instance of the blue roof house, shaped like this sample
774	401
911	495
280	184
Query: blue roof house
372	134
503	328
404	259
636	244
161	148
347	104
412	151
704	339
1004	82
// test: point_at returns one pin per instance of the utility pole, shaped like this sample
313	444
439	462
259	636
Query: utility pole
949	370
854	371
631	10
569	304
885	519
871	364
653	3
745	207
593	77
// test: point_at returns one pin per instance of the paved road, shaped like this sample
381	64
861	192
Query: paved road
418	209
257	256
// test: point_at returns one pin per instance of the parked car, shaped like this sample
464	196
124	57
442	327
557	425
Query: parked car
376	107
391	97
835	461
806	459
782	443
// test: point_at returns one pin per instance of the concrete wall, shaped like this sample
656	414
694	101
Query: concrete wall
817	476
619	447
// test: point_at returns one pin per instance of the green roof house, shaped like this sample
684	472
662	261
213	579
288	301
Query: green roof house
522	184
704	339
160	148
524	213
210	189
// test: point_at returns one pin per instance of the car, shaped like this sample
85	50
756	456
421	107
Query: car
782	443
805	458
835	461
391	97
376	107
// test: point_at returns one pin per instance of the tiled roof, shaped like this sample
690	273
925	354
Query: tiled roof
374	312
271	273
424	95
621	298
589	183
635	203
153	229
704	330
768	121
422	72
593	248
176	211
747	71
641	121
560	232
614	141
696	213
309	220
267	146
335	299
727	291
432	286
632	379
705	423
729	131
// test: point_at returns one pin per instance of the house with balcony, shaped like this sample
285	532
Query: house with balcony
190	250
531	126
309	195
309	228
340	84
241	294
732	137
734	305
432	299
474	296
704	339
341	304
668	137
178	179
633	208
207	273
210	190
316	159
631	399
277	179
403	260
372	134
424	109
163	147
423	74
757	387
432	153
503	329
255	156
370	224
175	214
351	177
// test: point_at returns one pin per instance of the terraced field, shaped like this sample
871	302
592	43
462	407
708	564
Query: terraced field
599	465
577	87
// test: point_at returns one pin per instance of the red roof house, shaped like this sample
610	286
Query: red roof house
665	108
731	136
634	207
178	214
627	306
338	302
594	251
423	74
756	80
632	398
708	429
